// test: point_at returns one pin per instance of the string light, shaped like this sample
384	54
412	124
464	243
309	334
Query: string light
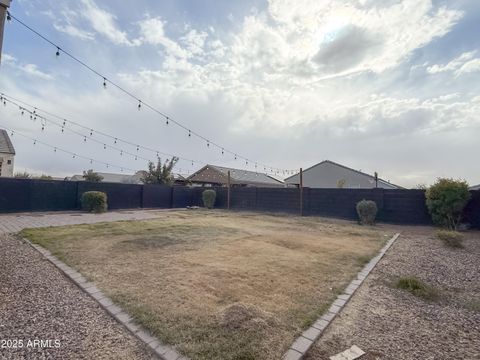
90	131
167	120
58	149
104	83
58	52
119	87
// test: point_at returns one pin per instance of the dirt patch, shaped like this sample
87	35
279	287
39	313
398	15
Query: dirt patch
220	285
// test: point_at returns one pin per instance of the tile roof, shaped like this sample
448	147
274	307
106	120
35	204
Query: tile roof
243	176
6	145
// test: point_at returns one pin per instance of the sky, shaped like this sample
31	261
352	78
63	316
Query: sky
391	86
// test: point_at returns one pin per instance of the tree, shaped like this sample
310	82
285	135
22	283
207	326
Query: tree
446	200
45	177
23	175
92	176
160	174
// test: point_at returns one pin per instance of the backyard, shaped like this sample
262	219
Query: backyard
219	285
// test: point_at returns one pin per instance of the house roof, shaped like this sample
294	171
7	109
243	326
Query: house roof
347	168
242	176
6	145
475	187
121	178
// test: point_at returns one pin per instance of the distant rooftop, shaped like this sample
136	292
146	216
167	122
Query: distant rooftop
122	178
6	146
242	176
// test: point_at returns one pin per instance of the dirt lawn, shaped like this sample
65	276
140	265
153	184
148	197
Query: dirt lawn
219	285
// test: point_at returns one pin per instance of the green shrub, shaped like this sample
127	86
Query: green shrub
94	201
451	238
446	200
416	287
367	212
208	197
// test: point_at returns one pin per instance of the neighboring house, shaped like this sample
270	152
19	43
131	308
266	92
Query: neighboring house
329	174
476	187
212	175
7	155
113	178
127	179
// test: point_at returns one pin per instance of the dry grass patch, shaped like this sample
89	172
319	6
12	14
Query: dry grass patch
219	285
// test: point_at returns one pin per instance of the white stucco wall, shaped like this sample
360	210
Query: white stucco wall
6	168
327	174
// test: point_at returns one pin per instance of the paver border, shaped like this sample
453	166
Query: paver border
153	344
304	342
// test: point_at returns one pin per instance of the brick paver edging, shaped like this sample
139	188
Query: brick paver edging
164	352
305	341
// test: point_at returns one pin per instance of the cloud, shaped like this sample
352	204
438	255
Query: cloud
152	32
348	49
311	79
104	23
462	64
74	31
29	69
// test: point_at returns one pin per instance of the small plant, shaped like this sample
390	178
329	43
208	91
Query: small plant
416	287
208	197
446	200
451	238
94	201
367	212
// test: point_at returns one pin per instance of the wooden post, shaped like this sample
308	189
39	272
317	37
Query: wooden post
228	190
4	4
301	192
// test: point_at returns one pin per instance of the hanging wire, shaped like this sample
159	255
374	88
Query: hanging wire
126	92
56	149
63	122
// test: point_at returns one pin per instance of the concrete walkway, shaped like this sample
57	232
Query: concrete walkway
11	223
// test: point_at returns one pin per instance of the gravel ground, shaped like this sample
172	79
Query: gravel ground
38	303
389	323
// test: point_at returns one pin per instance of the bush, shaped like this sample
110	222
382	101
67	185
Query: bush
446	200
208	197
416	287
367	212
94	201
451	238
